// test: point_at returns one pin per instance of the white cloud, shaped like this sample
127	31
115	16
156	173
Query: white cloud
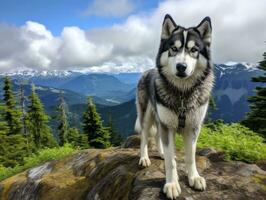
109	8
239	31
77	50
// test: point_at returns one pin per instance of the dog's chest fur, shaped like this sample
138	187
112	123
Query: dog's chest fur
170	102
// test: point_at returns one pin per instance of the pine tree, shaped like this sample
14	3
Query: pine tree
212	108
13	148
256	118
4	130
77	139
63	122
11	115
37	123
98	136
23	109
116	138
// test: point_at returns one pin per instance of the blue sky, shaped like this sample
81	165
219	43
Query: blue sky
56	14
120	35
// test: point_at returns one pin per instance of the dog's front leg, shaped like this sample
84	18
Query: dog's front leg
190	136
171	188
144	156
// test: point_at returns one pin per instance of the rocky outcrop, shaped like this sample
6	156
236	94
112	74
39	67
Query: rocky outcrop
114	174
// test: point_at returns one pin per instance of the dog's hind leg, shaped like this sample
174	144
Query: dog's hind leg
159	143
146	123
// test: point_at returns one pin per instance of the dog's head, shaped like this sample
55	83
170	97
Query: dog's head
184	52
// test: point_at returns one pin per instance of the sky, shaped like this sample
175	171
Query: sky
120	35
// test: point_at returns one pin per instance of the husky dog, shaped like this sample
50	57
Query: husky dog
174	96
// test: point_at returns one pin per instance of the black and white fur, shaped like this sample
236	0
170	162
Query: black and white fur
181	82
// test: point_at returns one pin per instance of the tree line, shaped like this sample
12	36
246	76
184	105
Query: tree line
24	127
256	118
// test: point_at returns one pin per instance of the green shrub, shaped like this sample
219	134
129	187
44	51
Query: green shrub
235	140
36	159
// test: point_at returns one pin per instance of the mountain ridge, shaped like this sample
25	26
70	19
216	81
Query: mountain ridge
31	72
232	88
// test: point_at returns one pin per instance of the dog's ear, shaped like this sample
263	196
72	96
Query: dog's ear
205	29
168	26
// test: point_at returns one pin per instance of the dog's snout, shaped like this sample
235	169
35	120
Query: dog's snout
181	67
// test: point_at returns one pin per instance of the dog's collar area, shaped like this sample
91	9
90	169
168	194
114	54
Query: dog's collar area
182	115
181	120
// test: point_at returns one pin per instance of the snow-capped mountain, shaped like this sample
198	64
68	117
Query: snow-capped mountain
227	67
34	73
234	68
232	85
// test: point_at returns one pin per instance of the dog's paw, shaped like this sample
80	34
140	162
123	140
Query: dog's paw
144	161
172	190
197	182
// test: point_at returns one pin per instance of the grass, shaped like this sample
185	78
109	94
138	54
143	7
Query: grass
36	159
235	140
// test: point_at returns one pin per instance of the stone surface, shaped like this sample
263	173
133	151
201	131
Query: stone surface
114	174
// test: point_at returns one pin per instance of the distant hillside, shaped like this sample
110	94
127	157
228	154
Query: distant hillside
129	78
123	115
48	95
101	85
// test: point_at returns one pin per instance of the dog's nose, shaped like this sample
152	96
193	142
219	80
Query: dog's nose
181	67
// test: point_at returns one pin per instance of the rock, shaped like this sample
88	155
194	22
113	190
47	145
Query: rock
132	141
114	173
206	152
262	164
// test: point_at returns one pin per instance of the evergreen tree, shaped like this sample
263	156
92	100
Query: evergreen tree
77	139
212	108
256	118
3	125
37	123
98	136
11	114
23	117
116	138
13	148
23	109
63	123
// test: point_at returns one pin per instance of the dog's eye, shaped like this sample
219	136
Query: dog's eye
193	49
174	48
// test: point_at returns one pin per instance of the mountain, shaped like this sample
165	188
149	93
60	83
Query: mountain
232	88
129	78
107	86
102	85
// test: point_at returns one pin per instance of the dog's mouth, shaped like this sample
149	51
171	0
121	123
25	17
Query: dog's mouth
181	74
